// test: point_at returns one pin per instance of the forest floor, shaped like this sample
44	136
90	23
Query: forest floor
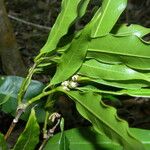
32	21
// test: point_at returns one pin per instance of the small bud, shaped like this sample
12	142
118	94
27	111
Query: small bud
75	77
73	85
65	83
54	116
65	88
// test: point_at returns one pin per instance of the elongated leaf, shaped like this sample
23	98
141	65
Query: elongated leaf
143	92
105	21
90	140
114	49
123	46
104	119
95	69
137	92
72	58
83	7
137	63
118	45
104	57
143	136
3	144
127	84
9	87
63	141
99	91
131	92
69	12
133	62
133	29
81	10
30	136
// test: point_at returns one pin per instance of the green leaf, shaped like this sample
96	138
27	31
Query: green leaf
90	140
95	69
68	14
99	91
83	6
136	63
108	16
9	87
113	49
127	84
104	58
143	136
111	44
63	141
3	144
30	136
137	92
72	58
135	54
133	29
104	119
131	92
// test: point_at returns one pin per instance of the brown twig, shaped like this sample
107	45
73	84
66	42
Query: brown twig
29	23
14	122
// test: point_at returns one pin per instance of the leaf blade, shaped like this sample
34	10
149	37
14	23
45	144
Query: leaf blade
9	87
114	50
30	136
83	7
137	92
61	26
105	21
95	69
3	144
63	141
127	84
96	112
88	139
133	29
112	44
72	58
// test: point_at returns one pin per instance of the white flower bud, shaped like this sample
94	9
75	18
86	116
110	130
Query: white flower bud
73	85
75	77
65	83
65	88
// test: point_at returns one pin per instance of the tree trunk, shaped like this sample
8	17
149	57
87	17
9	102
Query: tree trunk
11	60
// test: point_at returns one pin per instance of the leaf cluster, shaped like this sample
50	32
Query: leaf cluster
101	54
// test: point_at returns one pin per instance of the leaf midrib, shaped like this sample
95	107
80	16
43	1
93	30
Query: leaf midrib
95	67
103	120
62	19
117	53
101	14
27	140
